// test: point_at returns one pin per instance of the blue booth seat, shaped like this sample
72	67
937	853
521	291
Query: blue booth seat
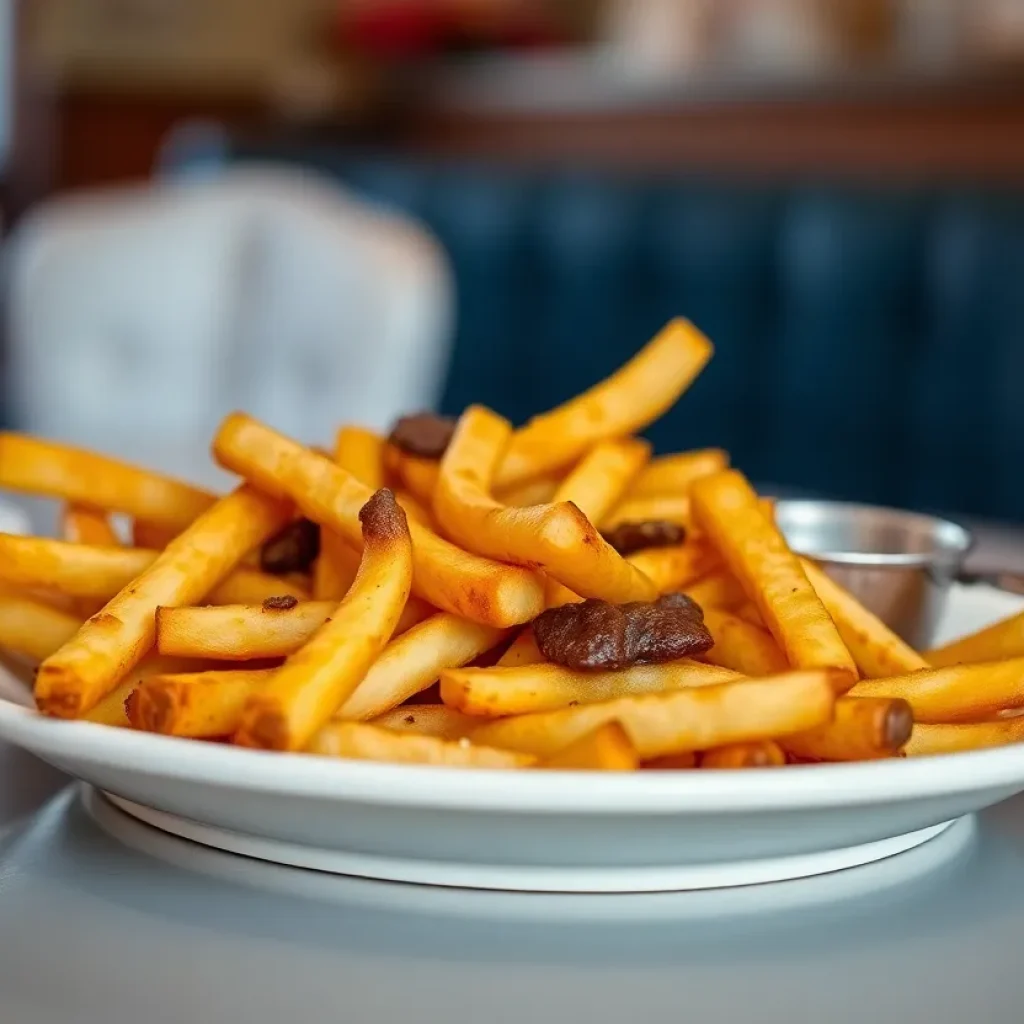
870	341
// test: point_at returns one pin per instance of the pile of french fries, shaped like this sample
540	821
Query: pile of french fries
409	638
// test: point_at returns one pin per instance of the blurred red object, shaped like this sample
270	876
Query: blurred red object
405	29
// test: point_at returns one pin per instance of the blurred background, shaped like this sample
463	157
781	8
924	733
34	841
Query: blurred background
330	210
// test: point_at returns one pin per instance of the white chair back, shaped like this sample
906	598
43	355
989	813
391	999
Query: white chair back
137	318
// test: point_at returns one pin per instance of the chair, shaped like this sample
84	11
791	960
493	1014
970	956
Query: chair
138	317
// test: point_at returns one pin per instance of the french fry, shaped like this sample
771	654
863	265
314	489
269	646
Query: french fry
929	740
151	535
35	466
742	647
318	679
1003	640
415	509
748	613
85	571
606	749
32	628
695	718
495	692
726	508
636	395
360	741
524	651
245	632
74	678
427	720
556	538
863	729
533	492
415	660
239	632
759	754
419	476
717	590
361	452
955	694
81	524
675	474
678	567
671	762
603	476
594	487
876	649
445	576
335	567
202	705
669	508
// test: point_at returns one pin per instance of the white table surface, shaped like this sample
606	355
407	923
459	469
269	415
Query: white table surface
145	929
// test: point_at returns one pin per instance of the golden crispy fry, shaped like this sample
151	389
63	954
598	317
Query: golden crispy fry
336	567
316	680
415	509
244	632
636	395
864	728
742	647
929	740
419	476
533	492
35	466
718	590
81	524
151	535
876	649
524	651
32	628
494	692
603	476
594	487
114	708
674	474
81	570
669	508
606	749
955	694
1002	640
361	452
759	754
239	632
412	662
748	613
557	538
726	508
110	644
427	720
694	718
447	577
198	704
671	762
676	568
371	743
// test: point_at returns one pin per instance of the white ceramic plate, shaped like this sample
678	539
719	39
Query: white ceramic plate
540	831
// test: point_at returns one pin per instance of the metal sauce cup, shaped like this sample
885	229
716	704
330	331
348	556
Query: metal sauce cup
898	564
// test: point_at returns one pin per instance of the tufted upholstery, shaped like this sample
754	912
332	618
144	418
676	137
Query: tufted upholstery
870	342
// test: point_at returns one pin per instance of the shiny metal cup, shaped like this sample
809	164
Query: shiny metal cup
898	564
